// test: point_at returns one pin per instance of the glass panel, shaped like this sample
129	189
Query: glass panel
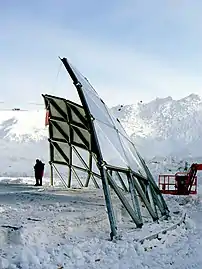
124	178
77	161
116	147
95	181
110	146
132	158
116	179
95	104
120	128
84	81
97	108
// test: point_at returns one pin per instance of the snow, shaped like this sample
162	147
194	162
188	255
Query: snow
164	126
56	228
23	138
23	125
69	229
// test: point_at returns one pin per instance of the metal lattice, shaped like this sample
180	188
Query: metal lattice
94	146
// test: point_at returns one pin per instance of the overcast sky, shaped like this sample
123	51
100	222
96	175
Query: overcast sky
129	50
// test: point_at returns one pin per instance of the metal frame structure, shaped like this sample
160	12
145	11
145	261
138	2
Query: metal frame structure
74	128
69	135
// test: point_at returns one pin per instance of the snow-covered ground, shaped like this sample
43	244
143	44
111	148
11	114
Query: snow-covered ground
54	228
69	229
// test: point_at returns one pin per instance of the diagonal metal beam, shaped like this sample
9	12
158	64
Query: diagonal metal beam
134	197
124	201
80	116
81	136
60	130
60	176
77	177
144	198
121	181
60	151
60	111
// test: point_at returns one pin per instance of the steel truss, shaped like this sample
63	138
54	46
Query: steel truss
74	142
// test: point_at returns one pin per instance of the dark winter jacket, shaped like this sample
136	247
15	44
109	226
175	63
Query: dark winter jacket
39	169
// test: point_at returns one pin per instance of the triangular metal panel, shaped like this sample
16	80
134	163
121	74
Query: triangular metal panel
54	112
75	118
58	108
69	139
81	135
58	153
60	130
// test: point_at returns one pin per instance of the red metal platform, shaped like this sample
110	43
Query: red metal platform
169	185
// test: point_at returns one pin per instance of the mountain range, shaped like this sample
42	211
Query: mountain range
164	127
161	129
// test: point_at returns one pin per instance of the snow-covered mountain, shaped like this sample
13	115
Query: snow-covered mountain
161	128
22	126
23	138
165	126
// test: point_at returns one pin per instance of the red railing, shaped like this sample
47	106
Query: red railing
168	184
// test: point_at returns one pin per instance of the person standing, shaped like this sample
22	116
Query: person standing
39	171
